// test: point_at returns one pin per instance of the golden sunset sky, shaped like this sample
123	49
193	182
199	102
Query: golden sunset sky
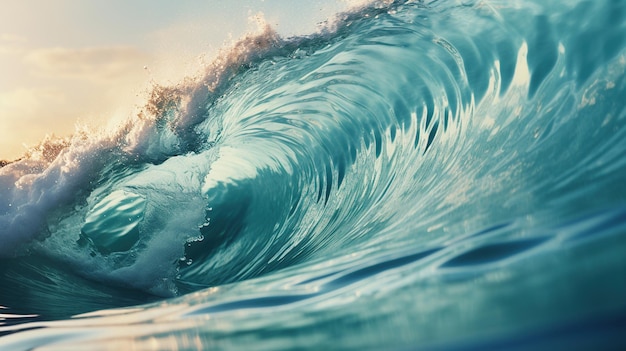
69	63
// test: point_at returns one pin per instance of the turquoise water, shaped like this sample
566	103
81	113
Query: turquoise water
420	175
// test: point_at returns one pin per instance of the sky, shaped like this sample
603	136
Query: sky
68	64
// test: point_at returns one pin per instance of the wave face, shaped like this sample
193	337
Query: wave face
423	174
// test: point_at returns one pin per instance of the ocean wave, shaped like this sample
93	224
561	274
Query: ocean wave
413	151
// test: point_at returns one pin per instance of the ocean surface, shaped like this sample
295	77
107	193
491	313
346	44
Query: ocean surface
439	175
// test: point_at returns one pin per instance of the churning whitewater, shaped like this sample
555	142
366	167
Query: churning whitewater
420	174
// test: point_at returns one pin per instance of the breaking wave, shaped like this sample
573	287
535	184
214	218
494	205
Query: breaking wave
419	173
